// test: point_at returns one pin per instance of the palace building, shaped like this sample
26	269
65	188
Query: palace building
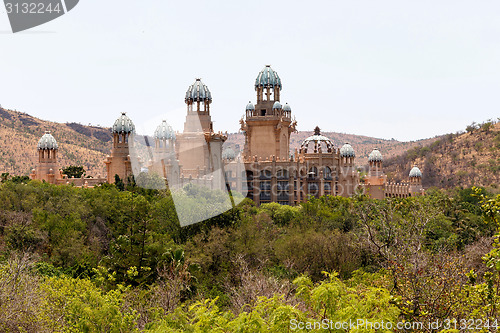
264	171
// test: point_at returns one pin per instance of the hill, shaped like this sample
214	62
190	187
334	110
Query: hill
463	159
78	144
88	145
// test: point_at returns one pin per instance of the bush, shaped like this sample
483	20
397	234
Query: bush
78	305
281	214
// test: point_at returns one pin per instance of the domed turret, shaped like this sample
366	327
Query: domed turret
347	151
415	172
47	160
250	106
268	78
198	92
375	156
47	141
228	154
164	132
277	106
318	140
123	125
287	107
416	182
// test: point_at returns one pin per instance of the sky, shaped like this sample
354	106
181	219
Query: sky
398	69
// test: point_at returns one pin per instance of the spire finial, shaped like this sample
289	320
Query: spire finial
317	131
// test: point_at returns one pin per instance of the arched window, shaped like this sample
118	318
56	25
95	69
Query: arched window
327	173
313	173
265	174
282	174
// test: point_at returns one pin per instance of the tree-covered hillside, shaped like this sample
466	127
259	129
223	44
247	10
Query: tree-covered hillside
461	159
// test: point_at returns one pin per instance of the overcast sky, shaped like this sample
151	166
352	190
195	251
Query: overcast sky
390	69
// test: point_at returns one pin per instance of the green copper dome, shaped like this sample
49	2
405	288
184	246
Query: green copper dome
317	139
415	172
123	125
164	131
375	156
228	154
268	78
277	106
347	151
47	141
198	92
250	106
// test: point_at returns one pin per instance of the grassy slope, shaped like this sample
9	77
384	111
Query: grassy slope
78	145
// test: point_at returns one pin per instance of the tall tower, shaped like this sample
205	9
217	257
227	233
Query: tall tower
268	124
199	149
119	162
47	168
198	100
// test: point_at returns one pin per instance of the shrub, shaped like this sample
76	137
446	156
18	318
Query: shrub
78	305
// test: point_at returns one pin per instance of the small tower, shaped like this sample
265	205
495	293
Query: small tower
47	168
348	170
164	162
164	139
347	155
376	179
119	162
375	160
268	124
228	154
415	181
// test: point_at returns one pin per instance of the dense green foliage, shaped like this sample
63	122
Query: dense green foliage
111	259
74	171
